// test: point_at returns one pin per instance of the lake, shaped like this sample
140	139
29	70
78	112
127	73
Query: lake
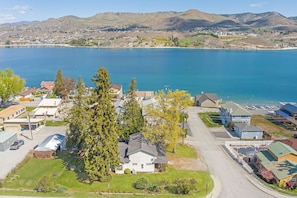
246	77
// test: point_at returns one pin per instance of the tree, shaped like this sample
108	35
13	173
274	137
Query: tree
101	153
63	85
59	85
10	84
132	119
164	117
79	117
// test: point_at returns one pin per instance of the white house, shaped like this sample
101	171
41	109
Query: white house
140	155
245	131
231	111
48	108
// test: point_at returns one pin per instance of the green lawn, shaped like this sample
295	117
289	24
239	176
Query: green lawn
34	169
184	150
210	119
55	123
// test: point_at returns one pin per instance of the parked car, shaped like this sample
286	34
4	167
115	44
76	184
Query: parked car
16	144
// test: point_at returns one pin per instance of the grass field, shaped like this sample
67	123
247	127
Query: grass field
32	170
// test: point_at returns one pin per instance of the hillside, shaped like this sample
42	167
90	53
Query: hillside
191	28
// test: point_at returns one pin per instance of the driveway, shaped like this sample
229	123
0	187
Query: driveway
229	177
10	158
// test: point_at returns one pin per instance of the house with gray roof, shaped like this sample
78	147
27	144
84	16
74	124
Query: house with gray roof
231	111
245	131
207	100
140	155
6	139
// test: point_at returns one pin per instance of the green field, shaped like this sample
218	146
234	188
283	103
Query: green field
23	180
210	119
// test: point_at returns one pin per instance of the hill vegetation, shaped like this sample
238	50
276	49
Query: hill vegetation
268	30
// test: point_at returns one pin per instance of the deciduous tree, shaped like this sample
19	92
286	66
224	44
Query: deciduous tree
101	153
164	117
10	84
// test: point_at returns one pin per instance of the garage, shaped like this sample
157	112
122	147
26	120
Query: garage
6	139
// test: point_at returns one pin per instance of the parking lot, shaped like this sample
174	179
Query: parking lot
10	158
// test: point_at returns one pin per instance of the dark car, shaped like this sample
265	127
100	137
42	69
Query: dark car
16	144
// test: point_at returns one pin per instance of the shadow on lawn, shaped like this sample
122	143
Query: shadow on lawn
74	162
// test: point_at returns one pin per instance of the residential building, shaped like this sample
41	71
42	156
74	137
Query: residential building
48	108
278	163
231	111
20	124
116	91
11	112
207	100
47	86
245	131
141	155
287	114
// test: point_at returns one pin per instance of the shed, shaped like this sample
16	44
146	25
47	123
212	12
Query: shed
6	139
19	124
245	131
50	146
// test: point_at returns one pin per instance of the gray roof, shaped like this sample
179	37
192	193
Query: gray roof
235	109
248	128
207	96
5	135
138	143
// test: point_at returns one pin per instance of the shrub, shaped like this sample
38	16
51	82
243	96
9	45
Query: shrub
154	188
185	186
127	171
44	185
141	183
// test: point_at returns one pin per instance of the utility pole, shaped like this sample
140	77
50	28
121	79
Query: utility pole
30	126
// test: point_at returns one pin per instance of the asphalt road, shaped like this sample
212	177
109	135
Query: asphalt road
230	178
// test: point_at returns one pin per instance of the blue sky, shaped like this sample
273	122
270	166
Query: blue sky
30	10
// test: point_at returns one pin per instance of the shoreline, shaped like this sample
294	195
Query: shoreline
160	47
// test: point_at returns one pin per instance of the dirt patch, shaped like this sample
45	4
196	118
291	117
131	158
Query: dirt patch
183	163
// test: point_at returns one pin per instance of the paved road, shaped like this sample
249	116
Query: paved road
230	178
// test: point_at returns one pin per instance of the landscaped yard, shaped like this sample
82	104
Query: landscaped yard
27	176
211	119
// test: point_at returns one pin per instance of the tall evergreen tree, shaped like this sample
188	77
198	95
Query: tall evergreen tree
79	117
59	85
132	119
101	153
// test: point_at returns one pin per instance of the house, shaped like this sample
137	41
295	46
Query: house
48	108
47	86
11	112
144	95
141	155
20	124
245	131
6	139
287	114
27	94
278	163
116	91
50	146
207	100
231	111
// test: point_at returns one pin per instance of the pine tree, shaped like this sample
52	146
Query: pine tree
79	117
101	152
59	85
132	119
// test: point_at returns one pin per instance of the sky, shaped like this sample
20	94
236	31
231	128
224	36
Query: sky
39	10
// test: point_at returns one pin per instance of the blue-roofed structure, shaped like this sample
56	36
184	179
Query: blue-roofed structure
287	114
290	109
283	114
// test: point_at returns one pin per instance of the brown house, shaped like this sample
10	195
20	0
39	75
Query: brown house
207	100
11	112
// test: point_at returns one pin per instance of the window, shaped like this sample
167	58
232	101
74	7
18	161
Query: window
141	165
148	164
134	164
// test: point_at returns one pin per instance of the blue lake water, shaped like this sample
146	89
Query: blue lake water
246	77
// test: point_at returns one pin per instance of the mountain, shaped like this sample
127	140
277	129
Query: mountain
122	29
